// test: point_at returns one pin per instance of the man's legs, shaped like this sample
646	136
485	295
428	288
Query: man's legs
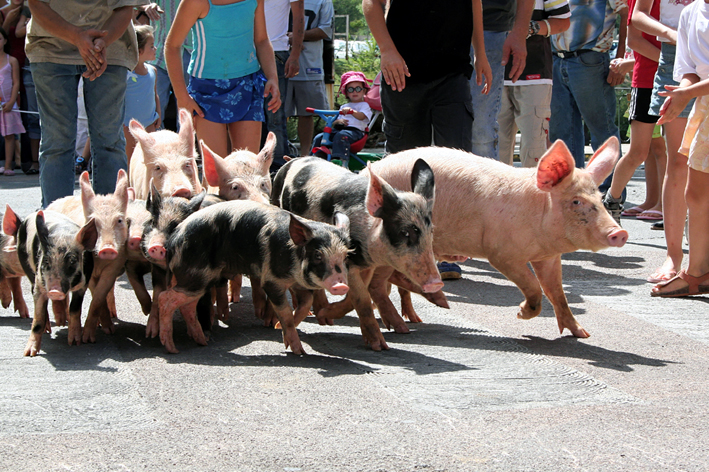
406	117
56	86
451	113
104	98
487	107
533	121
565	123
276	122
507	124
164	86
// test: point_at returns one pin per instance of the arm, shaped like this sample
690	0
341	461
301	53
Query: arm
315	34
114	27
616	78
393	66
516	42
264	52
647	24
153	11
679	96
157	101
12	15
10	101
292	66
187	14
21	28
481	64
637	43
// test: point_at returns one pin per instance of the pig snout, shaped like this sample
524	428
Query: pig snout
339	289
134	243
617	237
107	253
56	295
183	192
432	286
157	252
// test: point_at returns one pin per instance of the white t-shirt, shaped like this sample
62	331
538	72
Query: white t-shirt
692	55
277	13
354	122
670	11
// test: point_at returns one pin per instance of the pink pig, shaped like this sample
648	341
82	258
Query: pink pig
513	216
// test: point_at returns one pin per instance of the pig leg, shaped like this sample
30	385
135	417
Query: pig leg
235	289
359	281
407	307
194	329
222	295
261	303
74	335
320	302
152	328
99	294
303	300
379	291
277	298
39	323
59	308
527	282
18	299
111	301
437	298
549	275
5	291
169	301
135	277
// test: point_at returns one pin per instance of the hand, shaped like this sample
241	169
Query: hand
615	78
86	43
7	107
394	70
92	73
190	105
672	37
153	11
676	101
483	70
292	65
346	111
272	89
515	45
622	66
14	14
158	123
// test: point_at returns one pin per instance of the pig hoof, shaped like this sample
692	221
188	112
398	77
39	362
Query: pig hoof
579	332
527	312
31	349
402	329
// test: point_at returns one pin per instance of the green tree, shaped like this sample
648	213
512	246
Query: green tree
358	27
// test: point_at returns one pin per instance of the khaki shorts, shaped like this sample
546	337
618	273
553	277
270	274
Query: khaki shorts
303	94
695	142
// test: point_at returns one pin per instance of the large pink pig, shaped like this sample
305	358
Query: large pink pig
514	216
166	157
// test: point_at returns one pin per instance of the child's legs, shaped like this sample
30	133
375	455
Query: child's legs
673	203
213	134
9	150
245	135
655	165
342	141
640	137
698	205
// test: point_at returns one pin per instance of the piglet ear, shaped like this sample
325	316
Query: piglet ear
299	231
186	133
341	221
88	235
212	165
379	194
42	230
265	156
554	166
122	189
131	194
603	161
196	201
10	222
154	201
422	181
87	193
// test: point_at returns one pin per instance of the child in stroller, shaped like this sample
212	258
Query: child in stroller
352	122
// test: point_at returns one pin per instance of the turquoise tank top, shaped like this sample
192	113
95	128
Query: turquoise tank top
223	42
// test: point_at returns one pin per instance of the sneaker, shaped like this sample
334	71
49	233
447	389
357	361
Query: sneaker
613	207
449	270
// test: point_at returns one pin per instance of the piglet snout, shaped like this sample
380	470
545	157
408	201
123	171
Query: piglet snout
56	295
339	289
108	253
182	192
134	243
617	238
157	252
433	286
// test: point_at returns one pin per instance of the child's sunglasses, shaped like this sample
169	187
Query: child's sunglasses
354	89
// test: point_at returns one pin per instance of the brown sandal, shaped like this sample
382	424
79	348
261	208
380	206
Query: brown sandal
695	286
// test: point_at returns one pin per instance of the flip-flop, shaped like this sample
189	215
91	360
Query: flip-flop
661	277
651	215
694	286
635	211
9	172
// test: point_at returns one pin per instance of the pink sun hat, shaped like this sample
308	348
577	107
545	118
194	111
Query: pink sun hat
353	76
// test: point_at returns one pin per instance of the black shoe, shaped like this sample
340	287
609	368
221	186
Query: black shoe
613	207
659	226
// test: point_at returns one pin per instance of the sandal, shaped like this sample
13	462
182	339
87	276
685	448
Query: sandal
9	172
650	215
635	211
694	286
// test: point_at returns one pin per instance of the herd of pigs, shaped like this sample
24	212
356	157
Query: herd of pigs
317	228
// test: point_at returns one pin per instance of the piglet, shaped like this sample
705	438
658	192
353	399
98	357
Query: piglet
136	264
55	254
11	273
166	158
514	216
276	249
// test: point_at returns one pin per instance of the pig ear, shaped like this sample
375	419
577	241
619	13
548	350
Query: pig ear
601	164
196	201
139	133
265	156
154	200
422	181
554	166
88	235
122	189
212	165
87	193
379	194
341	221
42	230
299	231
187	132
10	222
131	194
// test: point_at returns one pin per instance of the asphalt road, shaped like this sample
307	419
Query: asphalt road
471	388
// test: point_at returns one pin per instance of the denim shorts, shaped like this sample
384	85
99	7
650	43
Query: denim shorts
663	77
230	100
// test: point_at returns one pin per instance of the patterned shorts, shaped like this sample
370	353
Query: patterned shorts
230	100
695	142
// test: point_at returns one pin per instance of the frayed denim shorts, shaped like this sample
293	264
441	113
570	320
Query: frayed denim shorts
663	77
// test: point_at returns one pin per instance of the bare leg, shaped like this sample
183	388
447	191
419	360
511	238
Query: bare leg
640	137
305	134
655	165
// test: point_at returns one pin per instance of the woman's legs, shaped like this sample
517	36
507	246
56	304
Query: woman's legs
655	165
245	135
640	138
213	134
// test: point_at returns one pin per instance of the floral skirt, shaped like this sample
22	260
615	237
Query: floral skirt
230	100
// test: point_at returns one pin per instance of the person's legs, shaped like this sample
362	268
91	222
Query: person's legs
306	125
507	124
342	141
640	138
9	153
451	112
56	86
565	123
655	165
533	120
245	135
407	122
487	107
213	134
276	122
104	99
163	88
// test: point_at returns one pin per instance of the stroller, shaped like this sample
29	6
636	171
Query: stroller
355	162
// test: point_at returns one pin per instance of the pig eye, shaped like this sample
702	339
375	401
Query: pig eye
317	256
577	202
157	168
404	233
